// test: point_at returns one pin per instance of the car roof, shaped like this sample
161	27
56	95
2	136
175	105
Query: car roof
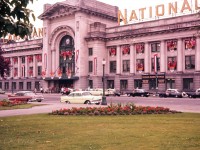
24	92
79	92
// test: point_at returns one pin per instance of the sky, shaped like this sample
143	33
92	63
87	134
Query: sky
130	5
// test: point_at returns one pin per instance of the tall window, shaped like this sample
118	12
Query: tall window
170	83
21	85
187	83
0	85
140	65
90	66
39	70
14	87
138	83
126	65
28	85
155	47
90	83
172	63
23	60
189	62
158	64
123	85
110	84
90	51
112	66
37	85
6	85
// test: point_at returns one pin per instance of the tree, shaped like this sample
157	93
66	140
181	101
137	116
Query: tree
4	65
15	18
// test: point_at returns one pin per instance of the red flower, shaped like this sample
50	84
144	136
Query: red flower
171	64
126	50
30	59
140	48
113	51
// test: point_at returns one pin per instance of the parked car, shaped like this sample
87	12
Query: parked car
194	94
81	97
28	96
171	93
2	92
138	92
108	92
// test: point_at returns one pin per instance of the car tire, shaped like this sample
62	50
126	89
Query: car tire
128	95
87	102
67	102
142	95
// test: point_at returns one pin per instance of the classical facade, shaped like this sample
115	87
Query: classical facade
78	35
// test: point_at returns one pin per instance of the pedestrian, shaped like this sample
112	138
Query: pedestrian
41	90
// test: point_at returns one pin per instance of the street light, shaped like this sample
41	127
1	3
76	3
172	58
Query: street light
104	102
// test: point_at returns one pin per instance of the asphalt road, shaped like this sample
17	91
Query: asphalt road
52	102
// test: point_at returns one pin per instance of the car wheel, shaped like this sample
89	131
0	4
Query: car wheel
142	95
67	102
87	102
39	100
176	96
128	95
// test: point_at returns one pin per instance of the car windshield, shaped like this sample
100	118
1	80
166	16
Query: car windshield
29	93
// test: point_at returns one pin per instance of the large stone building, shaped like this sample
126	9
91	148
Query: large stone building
78	35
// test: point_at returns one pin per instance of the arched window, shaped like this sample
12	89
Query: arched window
67	56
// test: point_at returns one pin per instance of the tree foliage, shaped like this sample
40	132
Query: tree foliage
15	17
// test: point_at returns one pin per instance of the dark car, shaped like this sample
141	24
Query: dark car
138	92
171	93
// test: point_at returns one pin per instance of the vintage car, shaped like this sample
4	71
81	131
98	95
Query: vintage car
108	92
171	93
2	92
138	92
194	94
28	96
81	97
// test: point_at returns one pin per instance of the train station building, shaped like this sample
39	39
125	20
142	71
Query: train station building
78	35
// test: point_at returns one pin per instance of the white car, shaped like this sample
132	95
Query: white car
81	97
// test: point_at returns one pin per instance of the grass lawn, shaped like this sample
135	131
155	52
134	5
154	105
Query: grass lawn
23	106
137	132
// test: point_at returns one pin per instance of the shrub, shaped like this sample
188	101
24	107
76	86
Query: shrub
119	109
7	103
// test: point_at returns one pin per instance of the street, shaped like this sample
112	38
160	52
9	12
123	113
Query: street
53	103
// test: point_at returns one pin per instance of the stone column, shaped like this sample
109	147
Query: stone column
19	67
180	56
162	57
197	55
147	58
12	69
132	59
34	66
53	58
118	60
26	66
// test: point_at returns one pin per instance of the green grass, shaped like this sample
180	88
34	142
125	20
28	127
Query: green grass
23	106
138	132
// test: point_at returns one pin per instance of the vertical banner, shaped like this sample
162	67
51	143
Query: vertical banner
45	61
155	63
95	65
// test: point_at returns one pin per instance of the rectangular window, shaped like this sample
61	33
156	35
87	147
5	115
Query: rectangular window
14	87
110	84
23	59
21	85
189	62
91	84
155	47
6	85
187	84
113	66
140	65
0	85
90	51
123	85
152	84
126	65
158	64
170	83
28	85
138	83
90	66
37	85
39	70
172	63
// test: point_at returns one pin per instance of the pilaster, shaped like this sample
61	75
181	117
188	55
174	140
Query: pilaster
162	57
180	56
118	60
147	58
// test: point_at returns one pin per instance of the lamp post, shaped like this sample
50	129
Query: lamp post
104	102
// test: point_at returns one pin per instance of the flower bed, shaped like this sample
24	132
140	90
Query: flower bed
129	109
7	103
